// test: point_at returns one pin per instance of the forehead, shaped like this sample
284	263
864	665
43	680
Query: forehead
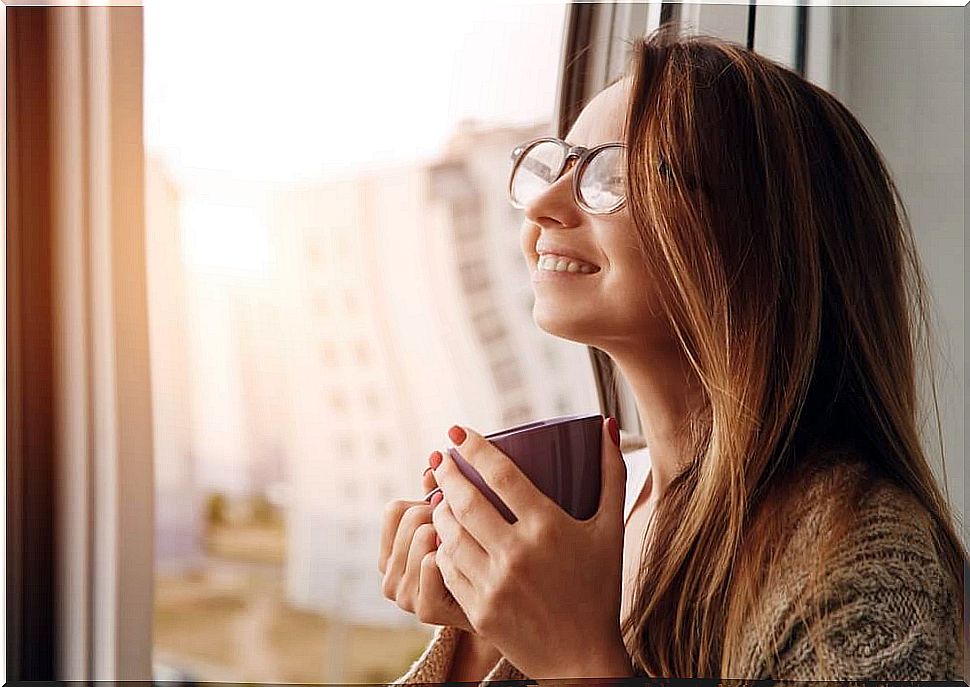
603	118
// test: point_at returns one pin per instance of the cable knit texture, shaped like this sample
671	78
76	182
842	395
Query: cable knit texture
888	610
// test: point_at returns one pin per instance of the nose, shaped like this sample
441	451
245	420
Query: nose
571	160
556	206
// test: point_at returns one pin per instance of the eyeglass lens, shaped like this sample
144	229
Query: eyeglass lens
602	183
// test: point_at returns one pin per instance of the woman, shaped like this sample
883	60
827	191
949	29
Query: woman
747	263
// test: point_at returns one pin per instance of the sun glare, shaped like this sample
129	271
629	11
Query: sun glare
225	239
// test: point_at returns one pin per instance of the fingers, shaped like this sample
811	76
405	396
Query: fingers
393	512
397	560
422	544
453	579
407	559
435	605
418	586
499	471
475	513
457	545
612	471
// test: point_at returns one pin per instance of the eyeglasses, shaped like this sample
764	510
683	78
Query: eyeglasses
599	178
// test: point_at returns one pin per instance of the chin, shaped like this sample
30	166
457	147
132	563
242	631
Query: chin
563	325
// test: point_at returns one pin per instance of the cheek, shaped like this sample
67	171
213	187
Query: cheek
635	292
528	235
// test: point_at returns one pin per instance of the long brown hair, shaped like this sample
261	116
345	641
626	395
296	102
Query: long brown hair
797	295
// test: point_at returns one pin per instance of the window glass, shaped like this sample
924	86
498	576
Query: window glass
334	280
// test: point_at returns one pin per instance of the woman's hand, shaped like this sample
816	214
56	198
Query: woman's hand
407	560
544	590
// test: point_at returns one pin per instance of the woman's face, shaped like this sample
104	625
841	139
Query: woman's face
617	304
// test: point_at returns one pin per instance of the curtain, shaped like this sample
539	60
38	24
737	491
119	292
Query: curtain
79	437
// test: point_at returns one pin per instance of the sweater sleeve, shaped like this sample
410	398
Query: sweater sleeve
888	609
435	662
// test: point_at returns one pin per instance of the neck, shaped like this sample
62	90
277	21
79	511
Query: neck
665	388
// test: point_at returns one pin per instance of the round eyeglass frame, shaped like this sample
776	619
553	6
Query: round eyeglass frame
581	154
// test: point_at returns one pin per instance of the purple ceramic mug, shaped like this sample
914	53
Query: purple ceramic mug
561	456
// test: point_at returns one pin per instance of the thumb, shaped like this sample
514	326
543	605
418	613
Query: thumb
613	469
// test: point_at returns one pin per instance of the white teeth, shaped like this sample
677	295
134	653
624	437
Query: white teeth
556	263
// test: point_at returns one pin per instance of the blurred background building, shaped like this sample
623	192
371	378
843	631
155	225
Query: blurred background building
315	341
411	309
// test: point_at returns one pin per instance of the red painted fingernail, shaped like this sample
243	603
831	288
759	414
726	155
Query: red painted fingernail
614	431
436	499
435	459
456	434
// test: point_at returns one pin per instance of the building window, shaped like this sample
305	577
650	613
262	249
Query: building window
516	415
328	350
350	300
345	448
362	352
467	220
474	276
321	303
314	253
381	448
490	327
338	400
507	375
373	400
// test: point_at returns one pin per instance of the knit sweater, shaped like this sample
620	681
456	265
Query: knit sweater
891	609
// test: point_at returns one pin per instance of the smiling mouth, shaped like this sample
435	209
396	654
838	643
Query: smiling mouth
550	262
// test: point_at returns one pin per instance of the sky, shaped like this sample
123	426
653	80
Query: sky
314	89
